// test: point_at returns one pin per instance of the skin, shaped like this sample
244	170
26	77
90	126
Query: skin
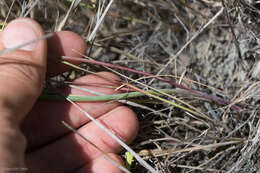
31	133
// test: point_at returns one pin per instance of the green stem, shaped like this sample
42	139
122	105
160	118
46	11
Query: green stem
61	97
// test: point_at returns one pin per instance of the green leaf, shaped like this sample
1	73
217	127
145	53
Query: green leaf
129	160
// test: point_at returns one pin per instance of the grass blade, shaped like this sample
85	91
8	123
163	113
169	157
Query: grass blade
99	21
137	157
192	91
107	157
25	44
77	98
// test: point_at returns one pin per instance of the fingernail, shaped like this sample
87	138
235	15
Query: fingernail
19	32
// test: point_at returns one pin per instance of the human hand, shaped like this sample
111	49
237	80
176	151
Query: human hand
36	127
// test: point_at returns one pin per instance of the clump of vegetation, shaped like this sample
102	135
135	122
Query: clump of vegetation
206	52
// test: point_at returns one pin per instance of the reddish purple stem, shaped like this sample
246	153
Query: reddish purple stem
202	94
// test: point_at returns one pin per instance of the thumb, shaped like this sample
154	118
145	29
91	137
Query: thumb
22	72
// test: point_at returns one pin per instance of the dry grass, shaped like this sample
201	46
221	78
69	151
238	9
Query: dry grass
182	39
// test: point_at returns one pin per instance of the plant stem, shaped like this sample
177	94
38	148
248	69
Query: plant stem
62	97
192	91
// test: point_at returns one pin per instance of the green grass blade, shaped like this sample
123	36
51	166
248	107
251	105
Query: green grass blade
62	97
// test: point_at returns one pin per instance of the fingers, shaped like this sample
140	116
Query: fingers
64	43
28	65
45	119
74	152
101	164
22	73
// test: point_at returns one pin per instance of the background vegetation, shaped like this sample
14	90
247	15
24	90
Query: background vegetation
211	46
